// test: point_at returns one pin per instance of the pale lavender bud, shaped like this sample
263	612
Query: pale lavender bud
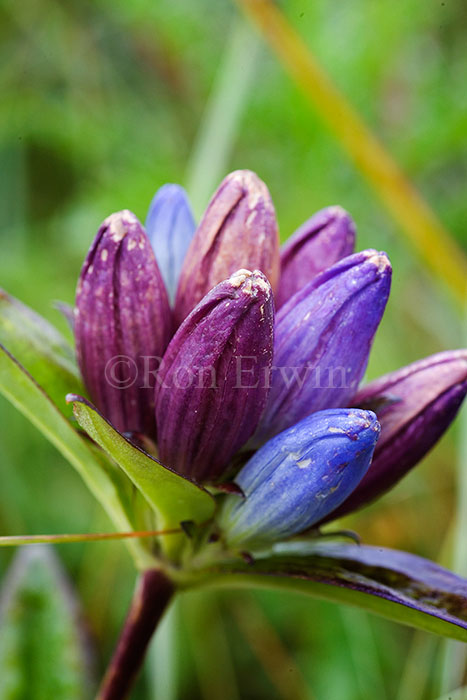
415	405
238	230
319	243
213	382
122	323
170	227
323	338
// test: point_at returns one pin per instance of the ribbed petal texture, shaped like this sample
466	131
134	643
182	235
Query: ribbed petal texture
238	230
213	383
323	338
122	322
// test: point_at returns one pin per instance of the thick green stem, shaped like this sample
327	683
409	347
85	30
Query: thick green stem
150	600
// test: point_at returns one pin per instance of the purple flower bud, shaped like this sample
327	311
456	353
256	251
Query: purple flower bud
212	385
415	405
238	230
122	322
170	227
300	475
323	338
319	243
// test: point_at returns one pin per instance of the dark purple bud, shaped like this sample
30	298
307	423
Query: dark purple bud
323	338
422	400
213	382
319	243
122	323
238	230
170	227
300	475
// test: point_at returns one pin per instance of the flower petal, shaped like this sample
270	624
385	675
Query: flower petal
238	230
300	475
426	396
319	243
213	383
170	227
123	323
323	338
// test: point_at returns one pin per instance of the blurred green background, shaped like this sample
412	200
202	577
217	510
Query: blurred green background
101	103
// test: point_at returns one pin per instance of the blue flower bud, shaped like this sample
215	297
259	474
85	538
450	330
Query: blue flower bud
299	476
170	227
415	406
323	338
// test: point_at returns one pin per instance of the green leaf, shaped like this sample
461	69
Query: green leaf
173	497
397	585
22	390
43	651
40	348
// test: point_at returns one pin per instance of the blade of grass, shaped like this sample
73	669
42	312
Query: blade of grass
430	239
418	667
162	664
454	656
20	540
223	113
362	647
277	662
210	646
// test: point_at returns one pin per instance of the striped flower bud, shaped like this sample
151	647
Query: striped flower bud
170	227
122	322
415	405
323	338
212	385
299	476
319	243
238	230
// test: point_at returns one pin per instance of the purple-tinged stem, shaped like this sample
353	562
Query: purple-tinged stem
152	595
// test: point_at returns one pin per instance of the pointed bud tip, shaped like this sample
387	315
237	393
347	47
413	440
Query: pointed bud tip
339	212
253	187
361	422
250	283
247	178
380	259
117	224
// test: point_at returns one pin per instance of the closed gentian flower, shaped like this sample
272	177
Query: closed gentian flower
170	227
122	319
415	405
299	476
238	230
323	338
325	238
213	382
234	377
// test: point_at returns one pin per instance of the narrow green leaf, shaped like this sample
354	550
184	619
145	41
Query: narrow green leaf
173	497
397	585
40	348
44	653
17	385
